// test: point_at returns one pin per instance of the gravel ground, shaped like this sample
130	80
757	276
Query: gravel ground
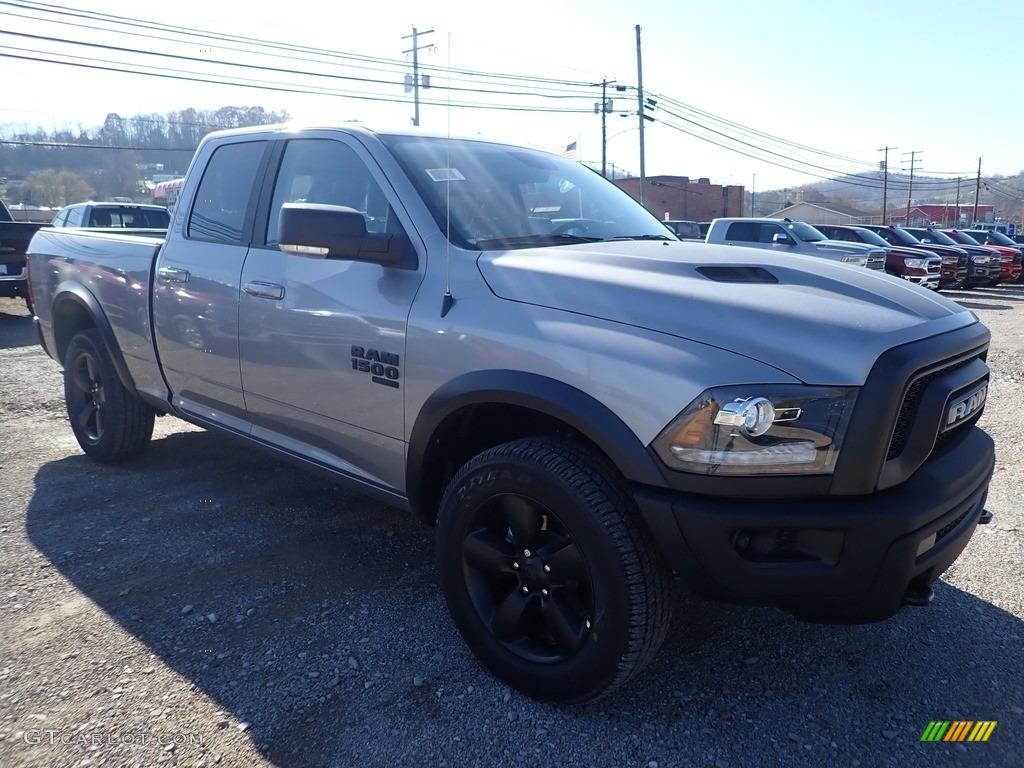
205	605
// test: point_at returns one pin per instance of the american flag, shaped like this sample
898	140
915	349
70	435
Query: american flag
568	150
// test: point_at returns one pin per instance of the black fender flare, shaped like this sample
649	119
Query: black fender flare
539	393
78	294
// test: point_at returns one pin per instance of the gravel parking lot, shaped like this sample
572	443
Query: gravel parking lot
206	605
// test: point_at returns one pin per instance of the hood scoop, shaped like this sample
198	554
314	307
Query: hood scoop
737	274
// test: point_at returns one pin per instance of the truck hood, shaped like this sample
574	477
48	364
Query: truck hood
845	246
820	321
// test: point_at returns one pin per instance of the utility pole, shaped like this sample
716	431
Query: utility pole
977	192
910	187
957	224
884	168
604	108
414	81
642	117
753	185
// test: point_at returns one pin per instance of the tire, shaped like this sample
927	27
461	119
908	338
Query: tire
548	572
109	423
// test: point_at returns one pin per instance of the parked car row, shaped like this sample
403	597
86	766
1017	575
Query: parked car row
937	259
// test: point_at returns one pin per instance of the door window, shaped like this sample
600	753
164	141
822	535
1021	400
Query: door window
328	172
218	213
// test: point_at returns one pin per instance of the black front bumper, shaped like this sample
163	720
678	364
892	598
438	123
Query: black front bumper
843	559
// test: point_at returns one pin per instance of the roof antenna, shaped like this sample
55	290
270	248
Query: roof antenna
447	301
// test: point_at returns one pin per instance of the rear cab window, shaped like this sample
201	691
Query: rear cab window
222	201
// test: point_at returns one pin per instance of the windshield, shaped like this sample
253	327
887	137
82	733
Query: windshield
993	237
872	238
966	239
805	232
898	236
932	236
509	197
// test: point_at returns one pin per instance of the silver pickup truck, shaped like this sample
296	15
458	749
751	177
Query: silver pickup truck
792	237
505	343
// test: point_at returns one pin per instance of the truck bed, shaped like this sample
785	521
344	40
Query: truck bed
115	270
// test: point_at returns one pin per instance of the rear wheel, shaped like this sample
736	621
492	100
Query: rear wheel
549	575
109	423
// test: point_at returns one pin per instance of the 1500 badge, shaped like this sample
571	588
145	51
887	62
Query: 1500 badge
383	367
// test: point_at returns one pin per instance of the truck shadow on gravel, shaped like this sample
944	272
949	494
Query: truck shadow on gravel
15	330
313	615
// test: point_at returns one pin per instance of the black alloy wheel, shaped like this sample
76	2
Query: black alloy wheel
527	578
109	422
550	575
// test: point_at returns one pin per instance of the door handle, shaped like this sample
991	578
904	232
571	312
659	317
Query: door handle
172	275
264	290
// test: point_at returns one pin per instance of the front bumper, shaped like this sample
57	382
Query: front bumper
842	559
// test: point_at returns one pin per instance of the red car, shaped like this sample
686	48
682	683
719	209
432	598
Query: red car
1009	258
999	239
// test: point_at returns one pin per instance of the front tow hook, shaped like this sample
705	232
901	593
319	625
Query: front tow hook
986	517
919	595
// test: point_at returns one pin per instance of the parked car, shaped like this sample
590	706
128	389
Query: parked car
997	239
955	260
113	216
1005	255
912	264
984	262
791	236
684	230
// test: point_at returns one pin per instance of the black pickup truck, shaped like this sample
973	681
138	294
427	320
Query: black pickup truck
14	239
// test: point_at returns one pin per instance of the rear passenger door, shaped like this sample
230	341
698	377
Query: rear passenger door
195	297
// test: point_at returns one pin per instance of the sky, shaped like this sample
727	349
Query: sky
763	95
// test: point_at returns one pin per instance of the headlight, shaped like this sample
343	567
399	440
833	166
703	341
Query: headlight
758	430
860	261
916	263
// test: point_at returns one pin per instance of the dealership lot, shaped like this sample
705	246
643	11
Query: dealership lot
206	605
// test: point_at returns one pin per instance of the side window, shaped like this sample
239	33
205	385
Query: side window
768	231
329	172
744	231
60	219
218	212
75	217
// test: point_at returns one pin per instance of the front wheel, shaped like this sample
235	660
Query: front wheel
109	423
550	576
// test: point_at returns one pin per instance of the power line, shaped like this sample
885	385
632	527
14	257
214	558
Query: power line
528	87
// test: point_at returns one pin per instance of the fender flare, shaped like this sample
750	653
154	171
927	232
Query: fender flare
539	393
78	294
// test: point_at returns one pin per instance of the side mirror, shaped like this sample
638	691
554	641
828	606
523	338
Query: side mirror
321	231
782	239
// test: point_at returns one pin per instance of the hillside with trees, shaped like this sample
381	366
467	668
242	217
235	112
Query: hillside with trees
124	157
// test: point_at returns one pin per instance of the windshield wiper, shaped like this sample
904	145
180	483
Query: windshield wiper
642	237
525	241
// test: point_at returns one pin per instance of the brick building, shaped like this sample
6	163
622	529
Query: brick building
678	197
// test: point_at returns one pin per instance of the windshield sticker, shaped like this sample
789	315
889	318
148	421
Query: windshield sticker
445	174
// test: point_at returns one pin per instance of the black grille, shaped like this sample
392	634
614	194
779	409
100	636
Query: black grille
948	527
911	401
